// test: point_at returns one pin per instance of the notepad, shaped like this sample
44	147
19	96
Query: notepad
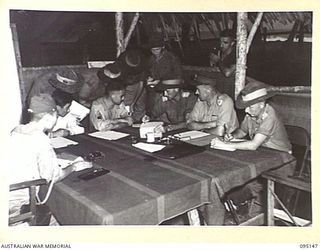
109	135
148	147
226	148
189	135
60	142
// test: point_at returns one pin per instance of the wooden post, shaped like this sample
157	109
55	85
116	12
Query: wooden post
130	31
291	89
254	29
164	29
18	62
119	32
241	52
208	24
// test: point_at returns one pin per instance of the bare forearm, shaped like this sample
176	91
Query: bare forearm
219	131
246	145
238	134
227	71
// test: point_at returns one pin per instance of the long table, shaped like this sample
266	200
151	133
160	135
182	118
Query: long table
142	189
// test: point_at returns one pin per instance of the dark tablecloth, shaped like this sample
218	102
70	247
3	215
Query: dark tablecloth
143	189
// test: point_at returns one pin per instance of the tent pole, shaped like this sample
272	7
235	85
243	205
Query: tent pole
130	31
177	35
119	32
241	52
18	62
164	30
254	29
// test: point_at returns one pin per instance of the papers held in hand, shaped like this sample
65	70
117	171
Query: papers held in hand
78	110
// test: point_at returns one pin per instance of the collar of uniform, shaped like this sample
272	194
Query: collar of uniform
213	101
263	114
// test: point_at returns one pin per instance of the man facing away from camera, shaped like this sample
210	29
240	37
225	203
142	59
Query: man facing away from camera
32	156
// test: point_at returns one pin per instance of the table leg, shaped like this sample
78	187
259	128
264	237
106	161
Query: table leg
193	217
213	213
270	203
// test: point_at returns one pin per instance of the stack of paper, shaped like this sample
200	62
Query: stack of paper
60	142
108	135
148	147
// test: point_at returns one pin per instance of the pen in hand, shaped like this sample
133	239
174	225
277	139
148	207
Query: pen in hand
227	136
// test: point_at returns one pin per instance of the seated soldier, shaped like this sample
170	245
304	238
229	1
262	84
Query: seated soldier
129	68
67	123
261	122
174	108
32	154
264	128
109	112
213	112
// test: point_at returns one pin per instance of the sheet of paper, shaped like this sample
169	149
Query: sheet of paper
226	148
148	147
189	135
78	110
109	135
60	142
63	163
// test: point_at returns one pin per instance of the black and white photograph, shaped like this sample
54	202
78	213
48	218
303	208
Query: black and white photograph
170	119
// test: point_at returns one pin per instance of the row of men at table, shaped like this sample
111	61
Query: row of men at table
171	99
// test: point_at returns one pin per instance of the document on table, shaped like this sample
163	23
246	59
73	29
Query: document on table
63	163
148	147
60	142
228	147
109	135
189	135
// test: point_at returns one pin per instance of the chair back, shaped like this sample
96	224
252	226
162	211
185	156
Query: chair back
300	140
30	214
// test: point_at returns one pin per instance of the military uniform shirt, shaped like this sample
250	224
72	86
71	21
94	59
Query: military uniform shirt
270	125
221	111
103	111
172	111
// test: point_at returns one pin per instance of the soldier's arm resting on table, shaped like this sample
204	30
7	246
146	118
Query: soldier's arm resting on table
200	125
219	130
253	144
121	122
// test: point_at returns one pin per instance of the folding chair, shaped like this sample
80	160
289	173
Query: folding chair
284	214
300	141
29	216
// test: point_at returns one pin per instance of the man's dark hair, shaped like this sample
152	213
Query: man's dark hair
115	85
228	33
62	98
